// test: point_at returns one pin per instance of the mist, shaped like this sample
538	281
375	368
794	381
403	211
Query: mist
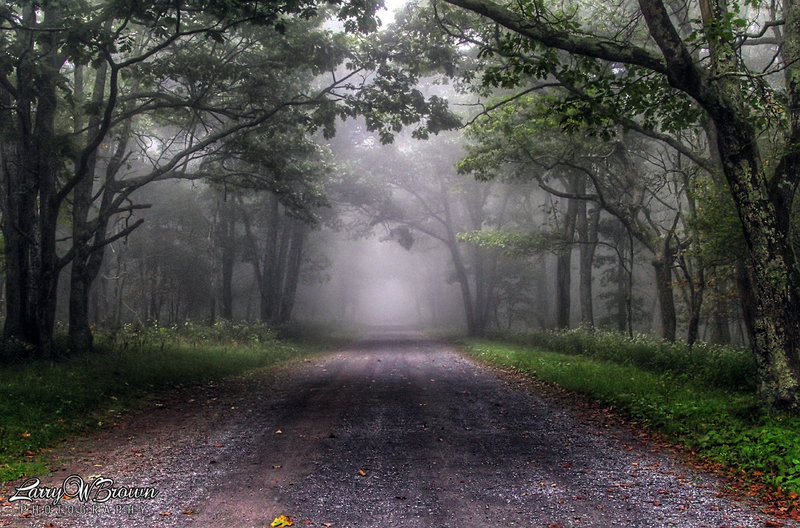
405	176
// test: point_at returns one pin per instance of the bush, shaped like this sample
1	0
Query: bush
156	336
723	367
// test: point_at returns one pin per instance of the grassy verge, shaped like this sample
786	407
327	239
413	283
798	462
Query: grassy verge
44	402
716	416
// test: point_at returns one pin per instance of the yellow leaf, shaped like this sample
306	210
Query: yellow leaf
282	520
26	434
278	432
362	473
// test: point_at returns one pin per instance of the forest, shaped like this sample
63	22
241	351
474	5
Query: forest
458	164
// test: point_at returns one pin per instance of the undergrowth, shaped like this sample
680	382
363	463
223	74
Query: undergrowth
702	398
44	402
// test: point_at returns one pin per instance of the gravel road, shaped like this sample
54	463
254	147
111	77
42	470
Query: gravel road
394	432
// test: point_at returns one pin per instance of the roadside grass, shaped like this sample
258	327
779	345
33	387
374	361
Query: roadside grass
44	402
702	399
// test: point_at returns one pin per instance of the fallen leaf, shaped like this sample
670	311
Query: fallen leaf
165	514
281	521
188	512
278	432
362	472
26	434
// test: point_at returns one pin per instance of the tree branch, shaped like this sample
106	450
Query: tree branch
549	36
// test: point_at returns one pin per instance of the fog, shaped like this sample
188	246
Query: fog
378	283
400	194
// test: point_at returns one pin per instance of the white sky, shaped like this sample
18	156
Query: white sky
387	15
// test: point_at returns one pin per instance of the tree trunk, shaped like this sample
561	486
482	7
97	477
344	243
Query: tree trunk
83	272
293	265
666	297
695	305
564	257
586	227
623	290
227	244
226	309
269	267
473	328
29	190
775	277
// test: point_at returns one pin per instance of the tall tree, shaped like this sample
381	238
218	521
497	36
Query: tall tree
651	53
185	66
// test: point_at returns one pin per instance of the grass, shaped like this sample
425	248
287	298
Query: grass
703	399
44	402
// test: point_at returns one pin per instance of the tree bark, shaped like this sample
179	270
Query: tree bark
29	187
292	275
564	257
666	298
227	245
587	224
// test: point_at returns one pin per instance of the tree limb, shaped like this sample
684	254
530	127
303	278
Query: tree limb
549	36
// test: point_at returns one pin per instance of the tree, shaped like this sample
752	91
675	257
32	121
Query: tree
424	197
653	71
80	84
523	141
46	165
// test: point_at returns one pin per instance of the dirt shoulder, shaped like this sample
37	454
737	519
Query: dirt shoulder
401	432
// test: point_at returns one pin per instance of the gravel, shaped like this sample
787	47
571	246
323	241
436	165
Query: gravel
400	432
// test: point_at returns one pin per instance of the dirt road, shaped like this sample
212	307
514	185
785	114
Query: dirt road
401	432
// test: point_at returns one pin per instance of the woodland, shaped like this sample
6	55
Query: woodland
626	165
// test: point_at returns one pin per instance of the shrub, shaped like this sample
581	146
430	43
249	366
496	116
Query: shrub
724	367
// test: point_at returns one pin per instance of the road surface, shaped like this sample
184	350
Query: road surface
396	431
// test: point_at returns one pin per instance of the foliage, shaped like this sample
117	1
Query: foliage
723	367
514	244
673	71
720	420
46	401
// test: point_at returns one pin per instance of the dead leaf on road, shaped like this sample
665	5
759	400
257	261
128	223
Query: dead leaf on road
281	521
